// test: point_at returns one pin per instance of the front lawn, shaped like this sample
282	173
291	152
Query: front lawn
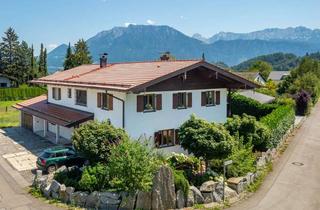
9	116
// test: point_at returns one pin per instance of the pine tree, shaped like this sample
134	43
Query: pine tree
68	61
22	71
45	67
81	53
41	61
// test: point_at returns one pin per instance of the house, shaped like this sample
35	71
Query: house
253	76
6	81
278	76
147	99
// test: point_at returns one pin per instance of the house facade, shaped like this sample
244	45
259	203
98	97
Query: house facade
5	81
148	99
253	76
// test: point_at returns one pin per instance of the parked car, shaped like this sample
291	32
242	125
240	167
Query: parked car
52	158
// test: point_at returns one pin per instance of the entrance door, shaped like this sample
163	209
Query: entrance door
26	121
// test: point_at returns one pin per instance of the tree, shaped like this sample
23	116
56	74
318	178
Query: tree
303	102
41	61
94	139
68	61
81	54
206	140
262	67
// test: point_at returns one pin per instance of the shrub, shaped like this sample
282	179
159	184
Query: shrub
180	182
184	162
303	103
279	121
131	166
94	178
69	178
198	179
94	139
285	100
250	130
204	139
243	161
243	105
21	93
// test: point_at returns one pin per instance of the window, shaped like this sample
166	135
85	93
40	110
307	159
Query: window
69	93
105	101
56	93
182	100
149	102
3	85
165	138
210	98
60	154
81	97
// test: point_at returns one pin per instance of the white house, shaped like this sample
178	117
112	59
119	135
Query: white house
253	76
147	99
5	81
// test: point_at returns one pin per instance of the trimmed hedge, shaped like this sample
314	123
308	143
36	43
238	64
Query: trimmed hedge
241	104
21	93
279	121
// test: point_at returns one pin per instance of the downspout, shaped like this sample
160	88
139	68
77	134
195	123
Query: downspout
123	106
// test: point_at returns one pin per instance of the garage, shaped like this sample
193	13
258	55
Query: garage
27	121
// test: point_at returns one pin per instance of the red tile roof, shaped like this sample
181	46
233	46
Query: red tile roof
60	115
121	76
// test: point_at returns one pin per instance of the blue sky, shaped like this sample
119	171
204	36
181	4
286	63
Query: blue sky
59	21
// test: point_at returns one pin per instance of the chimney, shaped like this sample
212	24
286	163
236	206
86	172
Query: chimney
165	56
103	60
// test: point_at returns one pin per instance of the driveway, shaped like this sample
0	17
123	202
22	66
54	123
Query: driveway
294	183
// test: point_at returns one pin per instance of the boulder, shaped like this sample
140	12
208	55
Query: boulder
55	186
63	194
46	191
181	199
208	197
61	169
79	198
127	201
230	193
67	197
237	183
208	186
93	200
163	191
190	199
143	200
40	182
218	192
197	196
55	195
109	200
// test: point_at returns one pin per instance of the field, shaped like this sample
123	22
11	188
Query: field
9	116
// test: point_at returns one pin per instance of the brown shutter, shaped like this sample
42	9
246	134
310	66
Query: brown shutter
175	101
157	139
158	101
99	95
217	97
203	98
110	102
140	104
59	93
189	100
176	136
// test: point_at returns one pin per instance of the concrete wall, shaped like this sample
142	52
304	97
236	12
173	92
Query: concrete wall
38	124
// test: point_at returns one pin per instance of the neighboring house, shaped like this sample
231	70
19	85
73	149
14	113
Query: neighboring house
147	99
260	97
278	76
6	81
253	76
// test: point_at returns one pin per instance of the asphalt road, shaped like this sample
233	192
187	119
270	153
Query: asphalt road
290	186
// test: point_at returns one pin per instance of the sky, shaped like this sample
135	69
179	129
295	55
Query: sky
54	22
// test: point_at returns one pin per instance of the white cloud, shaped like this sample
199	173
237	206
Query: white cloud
151	22
52	46
127	24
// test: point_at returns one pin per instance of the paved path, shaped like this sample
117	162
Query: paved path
292	187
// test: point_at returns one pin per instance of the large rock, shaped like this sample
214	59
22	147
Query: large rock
63	194
67	194
109	200
93	200
230	193
181	199
46	191
190	199
79	198
237	183
208	197
163	191
218	192
55	195
55	186
143	200
61	169
197	196
127	201
208	186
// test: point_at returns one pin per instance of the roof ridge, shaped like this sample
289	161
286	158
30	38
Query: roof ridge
154	61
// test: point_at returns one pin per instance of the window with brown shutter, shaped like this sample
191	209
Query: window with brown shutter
140	104
217	97
174	100
99	100
158	101
189	100
166	138
157	139
110	102
208	98
203	98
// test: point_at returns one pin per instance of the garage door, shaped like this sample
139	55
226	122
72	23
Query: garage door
26	121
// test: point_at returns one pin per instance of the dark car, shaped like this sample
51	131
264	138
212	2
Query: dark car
52	158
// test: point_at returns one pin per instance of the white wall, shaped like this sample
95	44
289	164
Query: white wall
5	80
146	123
37	124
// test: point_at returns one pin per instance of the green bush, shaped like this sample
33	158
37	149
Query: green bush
180	182
69	178
131	166
183	162
279	121
93	140
250	130
243	105
205	140
21	93
94	178
198	179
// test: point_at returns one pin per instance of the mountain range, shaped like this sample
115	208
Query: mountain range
147	42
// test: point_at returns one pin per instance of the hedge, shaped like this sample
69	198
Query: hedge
241	104
279	121
21	93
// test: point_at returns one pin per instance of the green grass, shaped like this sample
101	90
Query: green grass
258	182
9	116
